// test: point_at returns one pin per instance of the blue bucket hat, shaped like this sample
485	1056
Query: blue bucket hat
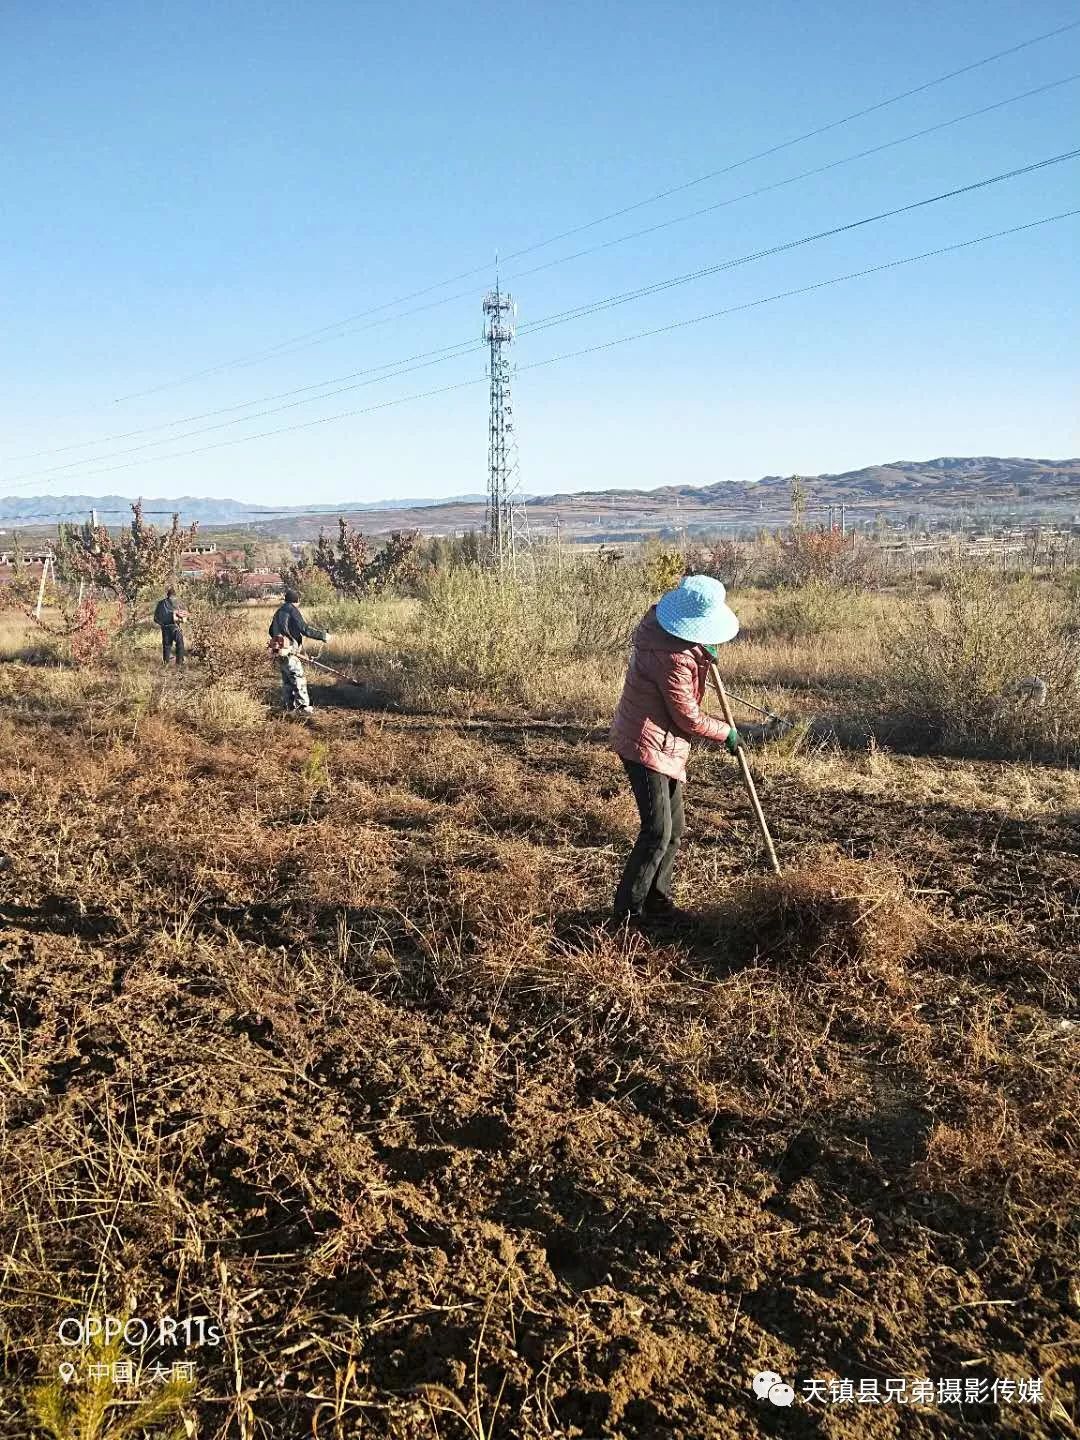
697	610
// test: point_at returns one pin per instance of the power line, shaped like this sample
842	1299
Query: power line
241	420
467	345
274	350
802	175
604	345
449	351
579	312
582	311
797	140
288	349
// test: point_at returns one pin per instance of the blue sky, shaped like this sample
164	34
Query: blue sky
182	186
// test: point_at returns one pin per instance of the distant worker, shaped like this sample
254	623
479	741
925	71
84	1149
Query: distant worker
170	617
658	714
288	631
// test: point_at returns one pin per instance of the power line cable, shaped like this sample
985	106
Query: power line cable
340	334
802	175
287	349
564	259
602	346
797	140
450	351
578	312
464	346
273	351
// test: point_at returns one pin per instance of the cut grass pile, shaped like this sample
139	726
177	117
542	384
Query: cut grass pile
842	917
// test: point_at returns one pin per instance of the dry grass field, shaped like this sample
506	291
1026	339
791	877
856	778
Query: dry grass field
319	1032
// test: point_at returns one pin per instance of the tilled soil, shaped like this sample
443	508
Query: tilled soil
322	1034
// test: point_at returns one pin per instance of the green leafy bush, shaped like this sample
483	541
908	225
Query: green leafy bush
506	636
953	662
814	608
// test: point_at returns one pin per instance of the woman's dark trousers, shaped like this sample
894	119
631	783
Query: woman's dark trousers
646	881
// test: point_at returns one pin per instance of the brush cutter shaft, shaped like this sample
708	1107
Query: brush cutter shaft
751	706
319	665
744	766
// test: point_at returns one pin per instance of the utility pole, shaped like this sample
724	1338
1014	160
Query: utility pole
798	503
499	328
46	563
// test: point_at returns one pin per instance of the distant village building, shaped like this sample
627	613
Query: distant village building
29	557
200	562
260	583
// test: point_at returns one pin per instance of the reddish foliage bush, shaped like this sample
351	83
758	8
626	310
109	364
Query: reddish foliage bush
356	569
86	630
825	556
730	561
138	559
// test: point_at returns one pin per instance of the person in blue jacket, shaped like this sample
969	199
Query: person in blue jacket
288	631
169	617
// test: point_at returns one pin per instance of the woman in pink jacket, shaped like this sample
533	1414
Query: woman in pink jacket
659	713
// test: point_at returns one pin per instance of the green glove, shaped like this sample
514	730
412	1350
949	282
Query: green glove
732	743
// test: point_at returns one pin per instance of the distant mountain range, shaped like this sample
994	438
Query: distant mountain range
115	509
901	486
968	480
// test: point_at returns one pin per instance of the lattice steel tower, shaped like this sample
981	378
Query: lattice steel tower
499	313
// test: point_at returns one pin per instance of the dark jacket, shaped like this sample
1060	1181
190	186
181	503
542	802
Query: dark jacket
660	707
168	613
290	624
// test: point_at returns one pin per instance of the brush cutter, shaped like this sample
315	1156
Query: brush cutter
744	766
777	719
320	665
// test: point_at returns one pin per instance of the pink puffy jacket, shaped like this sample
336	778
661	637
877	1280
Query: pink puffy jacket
660	706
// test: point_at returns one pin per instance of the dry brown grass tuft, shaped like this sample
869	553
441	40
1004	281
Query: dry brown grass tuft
843	917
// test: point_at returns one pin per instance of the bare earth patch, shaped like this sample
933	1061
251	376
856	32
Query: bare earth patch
333	1046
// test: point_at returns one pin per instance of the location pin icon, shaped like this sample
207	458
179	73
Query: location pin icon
67	1372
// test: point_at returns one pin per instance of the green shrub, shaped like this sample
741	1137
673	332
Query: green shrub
342	616
816	608
507	637
952	662
663	567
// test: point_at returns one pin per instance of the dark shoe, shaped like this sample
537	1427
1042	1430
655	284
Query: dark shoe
625	918
661	909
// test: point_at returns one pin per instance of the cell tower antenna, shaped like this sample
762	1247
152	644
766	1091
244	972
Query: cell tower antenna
499	329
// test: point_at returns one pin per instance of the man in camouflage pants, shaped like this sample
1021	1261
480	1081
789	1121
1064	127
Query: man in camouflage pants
288	630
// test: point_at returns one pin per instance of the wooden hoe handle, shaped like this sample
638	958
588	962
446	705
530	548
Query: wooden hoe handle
744	766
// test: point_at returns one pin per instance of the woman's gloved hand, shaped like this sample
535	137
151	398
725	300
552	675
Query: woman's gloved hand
732	741
768	730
